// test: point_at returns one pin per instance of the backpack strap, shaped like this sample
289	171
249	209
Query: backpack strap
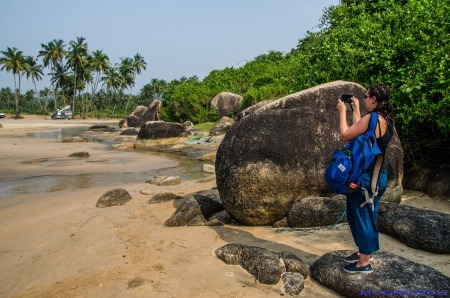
377	167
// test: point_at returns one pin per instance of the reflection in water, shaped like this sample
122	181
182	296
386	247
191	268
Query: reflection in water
61	133
188	169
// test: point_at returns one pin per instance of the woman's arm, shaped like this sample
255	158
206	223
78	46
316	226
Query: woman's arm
356	112
357	129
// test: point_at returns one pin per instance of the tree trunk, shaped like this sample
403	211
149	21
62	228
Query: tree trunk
74	91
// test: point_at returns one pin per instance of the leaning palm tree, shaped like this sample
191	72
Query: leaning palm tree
34	70
76	59
14	61
137	65
52	55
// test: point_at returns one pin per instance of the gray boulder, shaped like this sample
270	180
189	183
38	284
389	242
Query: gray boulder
142	114
222	126
391	272
165	180
102	128
277	155
418	228
163	197
158	130
253	108
316	212
196	210
81	154
115	197
226	102
265	265
130	132
430	179
77	140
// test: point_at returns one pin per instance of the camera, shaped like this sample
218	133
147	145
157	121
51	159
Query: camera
347	99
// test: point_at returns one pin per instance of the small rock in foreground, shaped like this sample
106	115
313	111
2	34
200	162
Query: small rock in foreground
82	154
115	197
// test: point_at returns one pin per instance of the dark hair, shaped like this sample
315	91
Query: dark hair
383	95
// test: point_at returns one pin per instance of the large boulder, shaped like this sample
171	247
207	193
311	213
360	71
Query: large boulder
390	273
418	228
196	210
430	179
155	130
253	108
222	126
226	102
316	212
277	155
142	114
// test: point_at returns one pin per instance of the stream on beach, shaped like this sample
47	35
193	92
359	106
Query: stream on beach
188	169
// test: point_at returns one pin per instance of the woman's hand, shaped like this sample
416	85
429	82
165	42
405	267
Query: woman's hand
355	103
341	106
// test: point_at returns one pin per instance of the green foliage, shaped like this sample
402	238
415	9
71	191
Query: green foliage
205	126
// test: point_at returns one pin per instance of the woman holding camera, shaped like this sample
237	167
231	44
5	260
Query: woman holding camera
363	220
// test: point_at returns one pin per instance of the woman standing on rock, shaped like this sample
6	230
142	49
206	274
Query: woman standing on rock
363	220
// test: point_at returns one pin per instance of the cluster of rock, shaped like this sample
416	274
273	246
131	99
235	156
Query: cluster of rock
267	266
142	114
391	272
274	157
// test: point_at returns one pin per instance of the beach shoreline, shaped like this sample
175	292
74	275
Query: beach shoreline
58	244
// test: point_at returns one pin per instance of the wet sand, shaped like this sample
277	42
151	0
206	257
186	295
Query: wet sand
58	244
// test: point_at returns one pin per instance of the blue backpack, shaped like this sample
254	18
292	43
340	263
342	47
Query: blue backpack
347	166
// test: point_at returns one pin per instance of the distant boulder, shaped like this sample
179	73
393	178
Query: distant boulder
160	130
142	114
82	154
130	132
163	197
222	126
430	179
226	102
115	197
102	128
277	155
77	140
164	180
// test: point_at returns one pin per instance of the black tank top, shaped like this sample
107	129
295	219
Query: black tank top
384	140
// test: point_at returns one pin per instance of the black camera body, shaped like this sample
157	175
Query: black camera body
347	99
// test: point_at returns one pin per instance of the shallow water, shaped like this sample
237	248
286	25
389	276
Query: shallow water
61	133
187	169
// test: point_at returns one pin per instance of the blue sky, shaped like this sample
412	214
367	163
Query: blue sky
176	37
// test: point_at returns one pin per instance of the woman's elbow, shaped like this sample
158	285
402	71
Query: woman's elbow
345	138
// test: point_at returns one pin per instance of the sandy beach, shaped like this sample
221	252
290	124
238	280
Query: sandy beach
54	242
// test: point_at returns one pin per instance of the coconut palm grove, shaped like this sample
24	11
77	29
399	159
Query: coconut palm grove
404	44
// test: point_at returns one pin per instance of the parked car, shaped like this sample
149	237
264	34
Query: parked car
2	115
64	113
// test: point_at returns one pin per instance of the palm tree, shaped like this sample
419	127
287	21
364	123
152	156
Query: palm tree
137	65
76	58
53	54
113	81
34	71
13	60
98	62
61	79
126	73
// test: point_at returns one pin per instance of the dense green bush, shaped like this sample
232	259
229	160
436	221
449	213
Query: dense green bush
401	43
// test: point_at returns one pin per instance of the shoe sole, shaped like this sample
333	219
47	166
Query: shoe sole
363	272
351	262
